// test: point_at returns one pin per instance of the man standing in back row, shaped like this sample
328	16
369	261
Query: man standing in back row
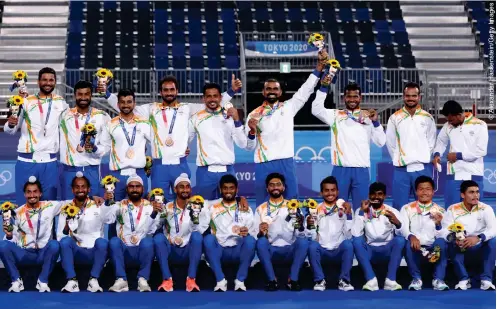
274	147
411	135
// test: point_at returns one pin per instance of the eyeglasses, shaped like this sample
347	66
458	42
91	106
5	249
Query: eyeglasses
273	184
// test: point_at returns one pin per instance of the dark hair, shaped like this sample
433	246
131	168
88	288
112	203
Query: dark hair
47	71
83	84
73	182
228	178
36	183
211	86
377	186
424	179
126	93
271	80
169	79
275	175
411	85
352	87
452	108
328	180
467	184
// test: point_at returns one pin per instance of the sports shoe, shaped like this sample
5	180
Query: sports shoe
486	285
221	286
293	285
371	285
344	285
17	286
120	285
439	285
94	286
391	285
143	285
416	285
271	286
191	285
166	285
42	287
320	285
463	285
240	285
72	286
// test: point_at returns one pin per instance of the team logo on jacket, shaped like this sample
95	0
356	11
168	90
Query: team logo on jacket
471	133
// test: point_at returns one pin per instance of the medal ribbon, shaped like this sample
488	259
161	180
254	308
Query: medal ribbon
38	225
176	217
269	207
40	108
131	221
131	141
228	210
164	118
273	109
76	120
332	210
351	116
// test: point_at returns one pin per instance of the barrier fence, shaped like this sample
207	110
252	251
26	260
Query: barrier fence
381	88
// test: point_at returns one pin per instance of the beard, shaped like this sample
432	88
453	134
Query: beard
229	197
81	198
184	196
169	99
271	99
82	105
46	92
376	205
135	196
275	194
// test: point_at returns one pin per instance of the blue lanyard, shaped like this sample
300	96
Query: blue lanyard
236	210
131	141
222	111
332	210
275	107
173	121
131	221
351	116
88	117
176	217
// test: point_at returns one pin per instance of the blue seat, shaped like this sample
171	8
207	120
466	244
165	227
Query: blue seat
76	26
479	14
178	49
197	62
196	50
294	14
110	5
373	61
369	49
161	50
179	62
401	38
230	49
352	48
261	14
278	15
381	26
475	4
355	61
398	25
311	14
362	14
244	5
384	38
345	14
214	62
231	62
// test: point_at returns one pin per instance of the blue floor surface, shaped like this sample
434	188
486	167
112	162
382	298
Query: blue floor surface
425	299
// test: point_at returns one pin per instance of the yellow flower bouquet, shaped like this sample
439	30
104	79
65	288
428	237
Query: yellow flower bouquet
71	210
457	231
195	204
104	77
14	104
148	165
157	195
20	79
8	213
317	40
312	206
88	133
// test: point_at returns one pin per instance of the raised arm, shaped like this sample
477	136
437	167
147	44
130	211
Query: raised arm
324	114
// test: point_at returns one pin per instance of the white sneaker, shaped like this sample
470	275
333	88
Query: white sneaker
487	285
143	285
416	285
344	285
392	285
93	286
17	286
221	286
320	286
463	285
439	285
240	285
120	285
42	287
71	286
371	285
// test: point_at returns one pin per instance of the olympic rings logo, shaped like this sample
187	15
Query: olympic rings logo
315	156
5	177
490	175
